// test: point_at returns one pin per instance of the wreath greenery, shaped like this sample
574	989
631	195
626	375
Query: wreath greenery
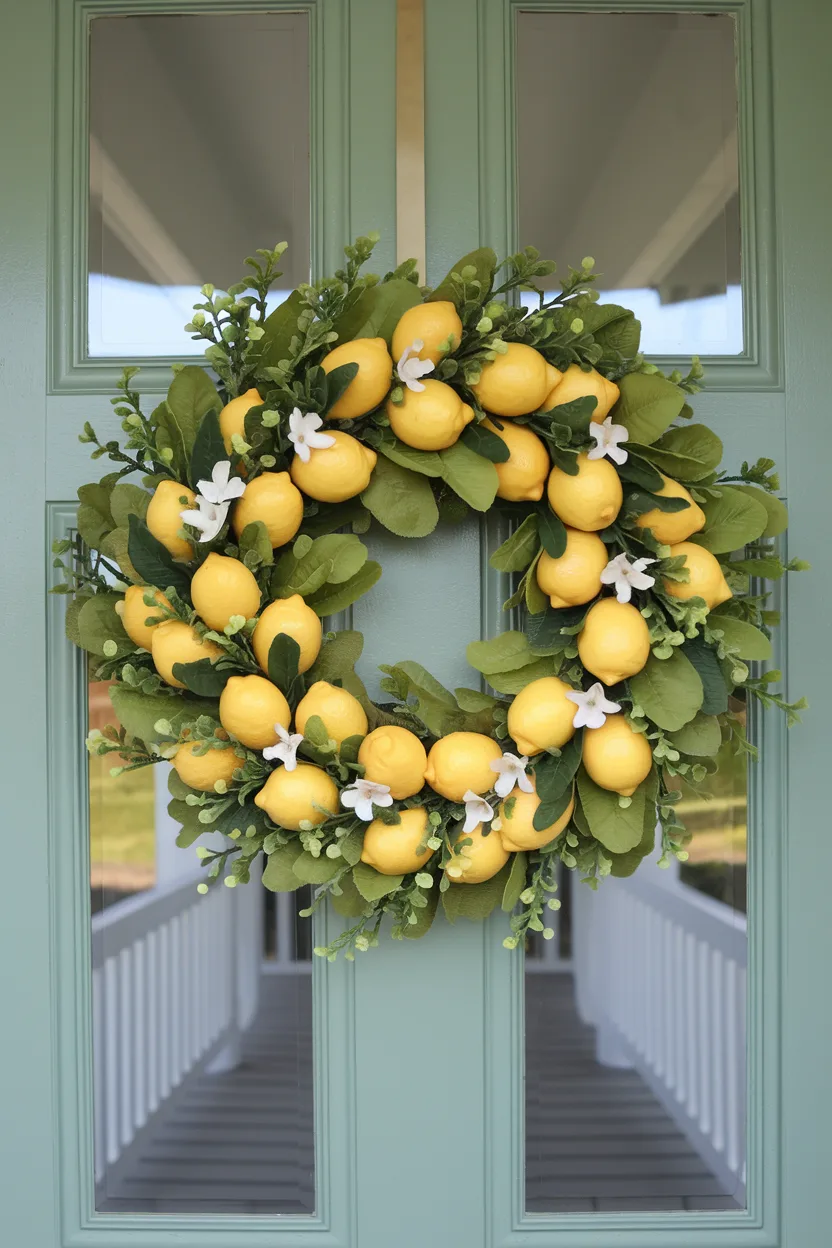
200	592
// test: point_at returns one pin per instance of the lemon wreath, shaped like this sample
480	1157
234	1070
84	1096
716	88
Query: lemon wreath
639	571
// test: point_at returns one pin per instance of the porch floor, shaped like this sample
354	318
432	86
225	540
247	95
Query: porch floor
242	1141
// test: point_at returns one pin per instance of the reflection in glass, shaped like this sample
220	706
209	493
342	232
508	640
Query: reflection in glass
627	151
202	1019
190	171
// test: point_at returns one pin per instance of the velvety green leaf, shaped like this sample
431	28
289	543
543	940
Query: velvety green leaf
536	601
744	638
475	901
472	701
424	917
350	904
208	449
637	502
484	260
192	394
378	310
401	500
255	536
435	705
337	381
311	870
546	632
614	327
128	500
371	884
92	526
138	712
470	476
732	520
98	622
648	405
115	546
516	881
188	819
702	737
153	561
333	598
617	828
715	693
625	864
503	653
550	810
778	516
337	657
427	463
177	787
517	551
515	681
203	677
639	472
686	453
554	776
332	559
484	442
279	328
669	691
577	414
278	873
284	657
552	531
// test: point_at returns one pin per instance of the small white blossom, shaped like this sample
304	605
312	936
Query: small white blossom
477	810
607	437
304	436
286	748
222	488
626	576
208	518
410	368
511	770
363	795
593	707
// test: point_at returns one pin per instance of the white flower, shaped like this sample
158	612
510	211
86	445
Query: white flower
209	518
220	489
363	795
511	770
593	707
286	748
607	437
477	810
303	434
410	368
626	576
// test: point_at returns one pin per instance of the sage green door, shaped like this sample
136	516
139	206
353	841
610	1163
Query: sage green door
407	1067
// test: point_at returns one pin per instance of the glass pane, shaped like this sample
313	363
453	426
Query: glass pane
191	170
627	152
202	1018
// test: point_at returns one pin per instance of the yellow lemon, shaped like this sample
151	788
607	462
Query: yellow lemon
233	415
616	757
178	642
223	587
136	612
202	771
250	706
515	382
163	516
394	756
540	717
577	384
591	499
671	527
290	798
274	499
391	847
293	617
333	474
706	577
432	324
614	642
462	761
518	831
431	419
523	475
575	576
369	385
342	714
479	861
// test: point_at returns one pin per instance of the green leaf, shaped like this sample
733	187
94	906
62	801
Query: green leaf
333	598
208	449
350	904
484	261
669	691
550	811
203	677
515	681
637	502
128	500
625	864
517	551
778	516
427	463
614	328
731	521
576	414
401	500
279	328
484	442
255	537
371	884
515	883
473	701
702	737
138	712
715	693
378	310
188	817
617	828
552	631
554	776
476	901
686	453
504	653
278	873
311	870
744	638
115	546
639	472
552	531
648	405
424	917
98	622
470	476
337	382
192	394
337	657
92	526
153	561
284	657
435	705
536	601
332	559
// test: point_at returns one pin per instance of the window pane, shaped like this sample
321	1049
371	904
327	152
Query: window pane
191	170
627	151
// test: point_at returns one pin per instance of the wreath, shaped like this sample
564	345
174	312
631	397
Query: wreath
640	600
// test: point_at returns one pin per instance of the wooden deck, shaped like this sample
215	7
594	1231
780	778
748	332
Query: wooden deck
242	1142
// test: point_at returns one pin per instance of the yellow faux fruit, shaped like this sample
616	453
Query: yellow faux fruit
589	500
333	474
396	757
250	706
462	761
233	415
291	798
369	385
671	527
540	717
522	477
575	576
432	324
479	861
293	617
391	847
515	382
577	384
203	771
222	587
136	612
616	757
518	831
431	419
276	501
178	642
706	577
164	517
614	642
342	714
